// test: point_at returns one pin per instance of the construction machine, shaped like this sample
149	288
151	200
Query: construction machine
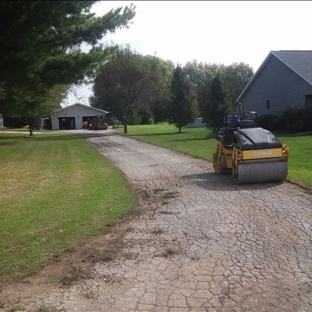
98	123
252	153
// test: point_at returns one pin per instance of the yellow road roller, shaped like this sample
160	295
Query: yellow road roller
254	154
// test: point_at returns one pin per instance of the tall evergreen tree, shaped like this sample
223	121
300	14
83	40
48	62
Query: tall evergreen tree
184	106
40	47
217	104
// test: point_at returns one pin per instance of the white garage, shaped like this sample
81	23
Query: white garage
71	117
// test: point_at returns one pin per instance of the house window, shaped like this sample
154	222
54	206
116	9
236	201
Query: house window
268	103
308	101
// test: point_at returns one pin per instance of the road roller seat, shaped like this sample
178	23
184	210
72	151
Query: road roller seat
231	122
243	124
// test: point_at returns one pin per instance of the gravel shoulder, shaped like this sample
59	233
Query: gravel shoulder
197	242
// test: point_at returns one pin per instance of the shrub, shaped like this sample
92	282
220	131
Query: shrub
10	122
270	122
292	120
296	119
134	118
112	121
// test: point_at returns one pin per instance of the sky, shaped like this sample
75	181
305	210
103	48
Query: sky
222	32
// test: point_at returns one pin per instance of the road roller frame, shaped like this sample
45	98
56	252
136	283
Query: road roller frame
252	154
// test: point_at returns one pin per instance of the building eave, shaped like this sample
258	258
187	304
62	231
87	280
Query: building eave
295	71
272	53
79	104
255	76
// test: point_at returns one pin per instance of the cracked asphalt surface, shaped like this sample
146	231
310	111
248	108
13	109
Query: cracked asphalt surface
198	242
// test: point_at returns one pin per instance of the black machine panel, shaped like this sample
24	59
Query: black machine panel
255	138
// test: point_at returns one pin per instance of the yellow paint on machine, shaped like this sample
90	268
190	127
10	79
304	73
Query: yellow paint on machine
263	153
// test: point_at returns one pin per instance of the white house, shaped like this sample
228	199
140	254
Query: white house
71	117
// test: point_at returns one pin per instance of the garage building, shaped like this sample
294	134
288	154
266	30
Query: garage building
71	117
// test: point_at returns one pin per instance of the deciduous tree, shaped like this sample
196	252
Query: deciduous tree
128	81
236	77
201	76
32	105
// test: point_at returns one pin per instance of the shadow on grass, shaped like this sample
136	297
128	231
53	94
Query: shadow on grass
150	134
292	135
52	137
2	142
9	137
207	137
37	136
58	137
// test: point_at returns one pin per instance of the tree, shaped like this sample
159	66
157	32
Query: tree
161	110
40	47
134	118
184	106
236	77
128	81
201	76
32	105
159	106
217	103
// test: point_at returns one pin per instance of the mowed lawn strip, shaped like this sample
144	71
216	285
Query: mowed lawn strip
200	142
55	191
165	135
300	152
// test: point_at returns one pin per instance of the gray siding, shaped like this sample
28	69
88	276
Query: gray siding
278	83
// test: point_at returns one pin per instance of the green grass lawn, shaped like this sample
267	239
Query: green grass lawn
55	191
200	142
300	156
193	141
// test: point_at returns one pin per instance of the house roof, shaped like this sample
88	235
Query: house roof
78	104
299	61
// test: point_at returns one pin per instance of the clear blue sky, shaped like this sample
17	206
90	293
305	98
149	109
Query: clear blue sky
222	32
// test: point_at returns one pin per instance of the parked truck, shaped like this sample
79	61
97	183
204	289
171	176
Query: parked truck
98	123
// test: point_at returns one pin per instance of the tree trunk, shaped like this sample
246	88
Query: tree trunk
124	121
180	130
31	132
125	127
31	126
